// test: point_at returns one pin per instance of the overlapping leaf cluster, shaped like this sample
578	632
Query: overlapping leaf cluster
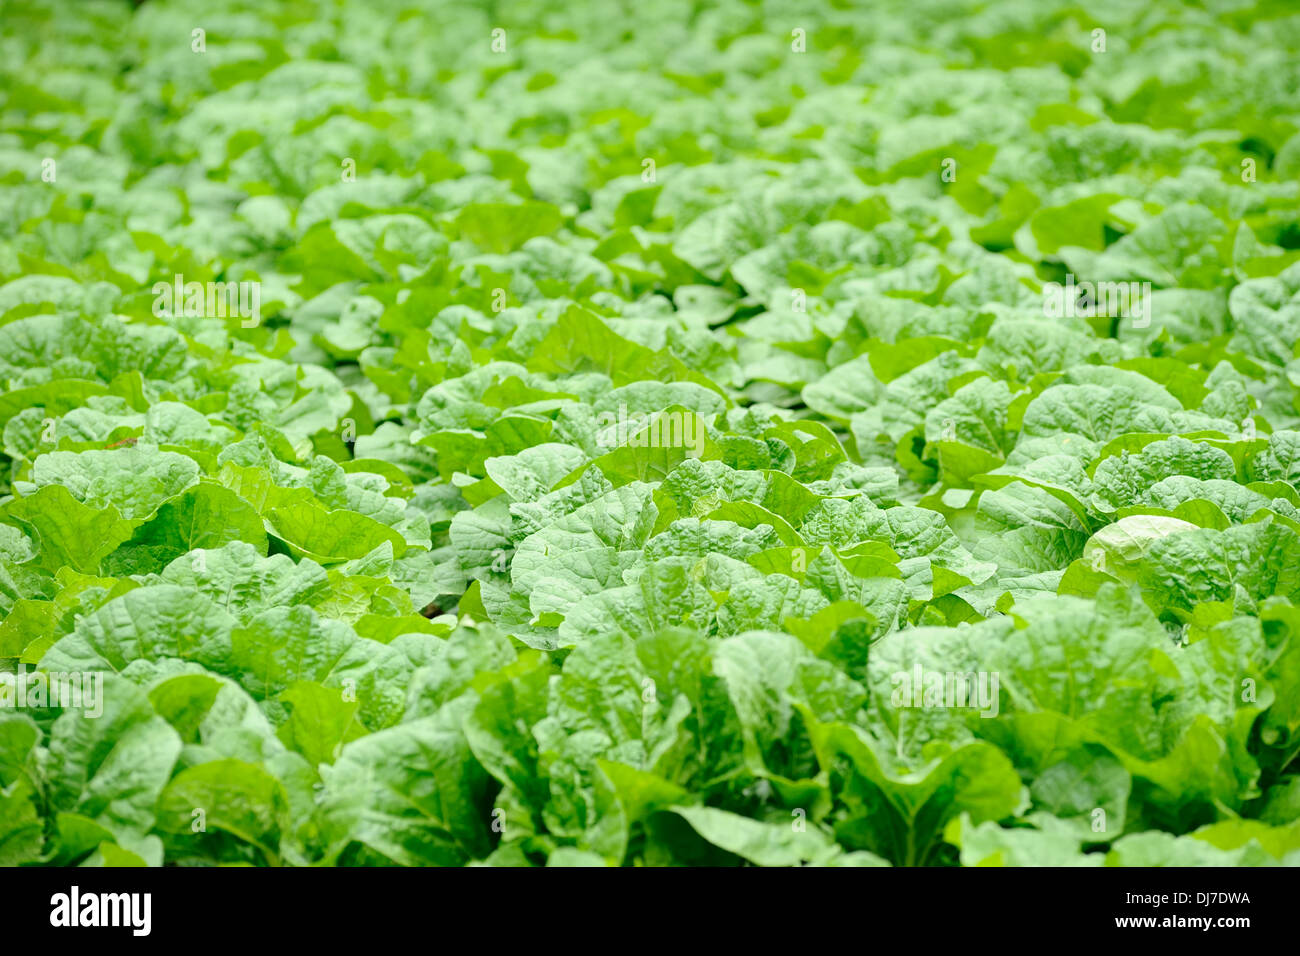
638	391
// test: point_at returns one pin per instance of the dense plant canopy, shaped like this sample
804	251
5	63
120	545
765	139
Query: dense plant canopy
650	433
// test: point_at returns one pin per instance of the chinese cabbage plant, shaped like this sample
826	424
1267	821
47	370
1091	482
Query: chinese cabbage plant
650	434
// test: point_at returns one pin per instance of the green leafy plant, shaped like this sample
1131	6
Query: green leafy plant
675	435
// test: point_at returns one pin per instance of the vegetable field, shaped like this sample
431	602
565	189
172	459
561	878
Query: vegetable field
663	434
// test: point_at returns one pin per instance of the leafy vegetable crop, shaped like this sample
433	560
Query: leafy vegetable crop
664	434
